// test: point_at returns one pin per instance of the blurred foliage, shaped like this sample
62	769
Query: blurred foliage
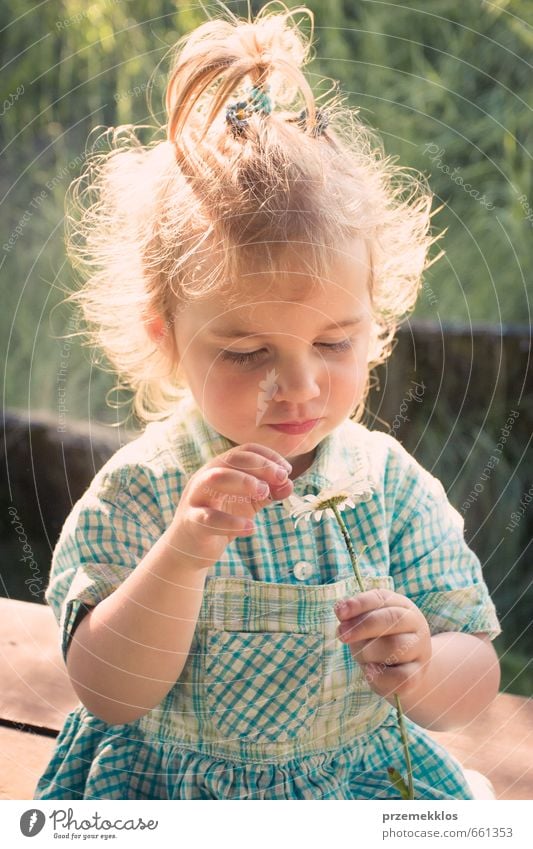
447	85
456	450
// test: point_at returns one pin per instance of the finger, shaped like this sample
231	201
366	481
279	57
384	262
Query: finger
265	468
370	600
219	523
257	453
388	680
386	621
222	486
387	650
269	453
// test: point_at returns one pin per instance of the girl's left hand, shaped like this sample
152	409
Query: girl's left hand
389	636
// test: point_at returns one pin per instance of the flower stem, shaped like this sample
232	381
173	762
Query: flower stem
349	546
405	743
399	711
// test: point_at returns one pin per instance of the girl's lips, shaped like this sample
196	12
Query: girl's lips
303	427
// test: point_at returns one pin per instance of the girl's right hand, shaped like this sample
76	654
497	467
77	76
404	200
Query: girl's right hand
221	499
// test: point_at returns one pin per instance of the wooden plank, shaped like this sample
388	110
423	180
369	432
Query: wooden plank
35	688
498	743
24	759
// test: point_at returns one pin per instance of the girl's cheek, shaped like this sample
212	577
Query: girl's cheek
227	384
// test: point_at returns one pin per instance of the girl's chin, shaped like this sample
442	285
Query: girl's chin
296	448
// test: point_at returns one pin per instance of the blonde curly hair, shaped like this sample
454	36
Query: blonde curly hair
153	226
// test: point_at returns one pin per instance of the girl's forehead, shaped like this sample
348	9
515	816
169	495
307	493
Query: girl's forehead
346	282
254	305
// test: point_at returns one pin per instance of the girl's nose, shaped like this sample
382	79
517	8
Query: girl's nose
296	384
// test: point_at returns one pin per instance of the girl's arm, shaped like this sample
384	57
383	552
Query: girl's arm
461	679
129	651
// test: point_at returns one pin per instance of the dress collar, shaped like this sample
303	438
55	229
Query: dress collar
340	456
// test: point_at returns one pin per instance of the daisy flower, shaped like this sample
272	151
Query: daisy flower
340	495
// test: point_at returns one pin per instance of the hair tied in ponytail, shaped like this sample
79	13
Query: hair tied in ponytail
237	114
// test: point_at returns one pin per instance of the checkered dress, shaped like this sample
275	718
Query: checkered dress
270	704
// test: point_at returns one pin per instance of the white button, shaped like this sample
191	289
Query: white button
303	570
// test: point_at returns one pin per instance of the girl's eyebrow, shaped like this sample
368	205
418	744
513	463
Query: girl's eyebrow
239	332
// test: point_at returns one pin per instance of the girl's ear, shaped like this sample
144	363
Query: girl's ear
155	327
161	333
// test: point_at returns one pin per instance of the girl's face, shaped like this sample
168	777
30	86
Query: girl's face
285	355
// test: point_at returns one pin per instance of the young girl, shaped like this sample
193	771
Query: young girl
244	276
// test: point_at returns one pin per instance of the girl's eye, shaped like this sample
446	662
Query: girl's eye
337	346
241	359
246	358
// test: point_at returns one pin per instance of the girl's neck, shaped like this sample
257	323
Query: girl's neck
301	464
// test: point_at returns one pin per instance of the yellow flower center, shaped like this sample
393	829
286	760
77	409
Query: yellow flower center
331	502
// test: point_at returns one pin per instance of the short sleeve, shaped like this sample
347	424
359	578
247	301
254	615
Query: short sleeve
431	562
108	532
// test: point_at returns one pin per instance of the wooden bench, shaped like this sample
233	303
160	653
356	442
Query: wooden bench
36	695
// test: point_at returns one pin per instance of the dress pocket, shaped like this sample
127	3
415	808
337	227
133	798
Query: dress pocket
263	684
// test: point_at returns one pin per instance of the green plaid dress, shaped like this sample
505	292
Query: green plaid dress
270	704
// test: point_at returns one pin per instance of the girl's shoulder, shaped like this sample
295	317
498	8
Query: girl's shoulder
392	468
166	453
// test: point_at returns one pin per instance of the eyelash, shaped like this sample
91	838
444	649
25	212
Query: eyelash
247	358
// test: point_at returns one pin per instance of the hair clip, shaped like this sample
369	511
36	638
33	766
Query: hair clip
320	125
236	117
237	114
